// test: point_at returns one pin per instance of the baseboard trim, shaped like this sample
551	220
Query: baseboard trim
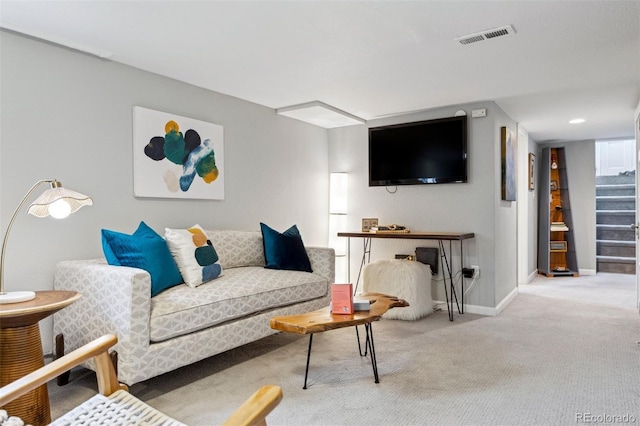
580	272
505	302
532	276
485	310
471	309
481	310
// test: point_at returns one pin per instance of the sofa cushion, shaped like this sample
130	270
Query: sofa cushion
238	248
284	250
239	293
194	254
145	249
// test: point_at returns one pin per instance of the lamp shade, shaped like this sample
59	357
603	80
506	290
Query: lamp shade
55	201
44	204
337	223
338	193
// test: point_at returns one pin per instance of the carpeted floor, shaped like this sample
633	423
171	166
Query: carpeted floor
563	352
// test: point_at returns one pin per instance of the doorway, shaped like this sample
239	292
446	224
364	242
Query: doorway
615	206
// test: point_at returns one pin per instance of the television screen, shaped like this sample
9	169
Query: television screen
424	152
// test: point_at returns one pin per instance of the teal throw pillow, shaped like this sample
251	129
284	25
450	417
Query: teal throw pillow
284	250
145	249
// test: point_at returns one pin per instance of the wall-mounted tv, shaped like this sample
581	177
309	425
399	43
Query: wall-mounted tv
423	152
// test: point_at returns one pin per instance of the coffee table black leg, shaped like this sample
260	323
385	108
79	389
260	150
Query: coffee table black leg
366	343
306	371
372	348
369	345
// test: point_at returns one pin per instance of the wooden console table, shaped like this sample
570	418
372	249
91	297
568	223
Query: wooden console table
441	237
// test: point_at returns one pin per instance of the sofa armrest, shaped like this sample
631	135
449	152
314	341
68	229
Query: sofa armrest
115	300
323	262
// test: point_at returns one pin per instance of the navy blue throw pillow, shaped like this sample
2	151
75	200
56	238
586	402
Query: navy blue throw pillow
284	250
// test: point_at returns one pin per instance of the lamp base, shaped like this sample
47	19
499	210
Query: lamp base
16	296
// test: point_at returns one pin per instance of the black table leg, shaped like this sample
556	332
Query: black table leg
366	343
306	371
447	272
369	346
372	349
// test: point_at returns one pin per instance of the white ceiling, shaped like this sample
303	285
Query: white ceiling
372	59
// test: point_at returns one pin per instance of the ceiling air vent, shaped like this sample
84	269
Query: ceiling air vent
486	35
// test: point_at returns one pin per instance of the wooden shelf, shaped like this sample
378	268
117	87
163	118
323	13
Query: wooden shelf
556	248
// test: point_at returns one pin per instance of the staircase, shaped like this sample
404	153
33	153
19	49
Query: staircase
615	213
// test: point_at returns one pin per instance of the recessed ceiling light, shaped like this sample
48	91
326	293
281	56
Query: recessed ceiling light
320	114
577	121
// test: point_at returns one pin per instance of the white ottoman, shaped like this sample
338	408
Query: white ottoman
406	279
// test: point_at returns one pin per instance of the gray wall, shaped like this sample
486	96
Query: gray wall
505	261
581	174
68	116
471	207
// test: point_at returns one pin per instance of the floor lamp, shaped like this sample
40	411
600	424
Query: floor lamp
57	202
338	194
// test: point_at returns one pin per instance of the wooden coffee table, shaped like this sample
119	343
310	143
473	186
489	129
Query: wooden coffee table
323	320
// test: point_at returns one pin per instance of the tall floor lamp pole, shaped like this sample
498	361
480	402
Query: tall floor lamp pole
57	202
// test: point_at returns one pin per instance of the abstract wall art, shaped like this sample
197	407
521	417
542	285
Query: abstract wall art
176	157
508	161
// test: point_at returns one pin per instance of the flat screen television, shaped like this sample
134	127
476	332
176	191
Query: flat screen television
423	152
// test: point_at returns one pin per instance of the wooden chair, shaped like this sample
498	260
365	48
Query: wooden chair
114	404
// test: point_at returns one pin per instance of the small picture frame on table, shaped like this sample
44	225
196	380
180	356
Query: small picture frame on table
553	185
368	223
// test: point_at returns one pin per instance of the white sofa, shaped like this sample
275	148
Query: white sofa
183	325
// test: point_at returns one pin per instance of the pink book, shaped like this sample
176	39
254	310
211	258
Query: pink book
341	298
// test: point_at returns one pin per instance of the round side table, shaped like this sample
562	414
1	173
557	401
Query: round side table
21	350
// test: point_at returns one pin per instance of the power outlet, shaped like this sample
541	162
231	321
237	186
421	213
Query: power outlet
476	271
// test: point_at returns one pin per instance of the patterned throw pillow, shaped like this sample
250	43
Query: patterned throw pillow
237	248
194	254
145	250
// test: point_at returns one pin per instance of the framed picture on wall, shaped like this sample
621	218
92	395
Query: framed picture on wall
176	157
508	163
532	171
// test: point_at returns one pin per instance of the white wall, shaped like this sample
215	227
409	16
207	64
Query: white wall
68	116
527	210
532	221
471	207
